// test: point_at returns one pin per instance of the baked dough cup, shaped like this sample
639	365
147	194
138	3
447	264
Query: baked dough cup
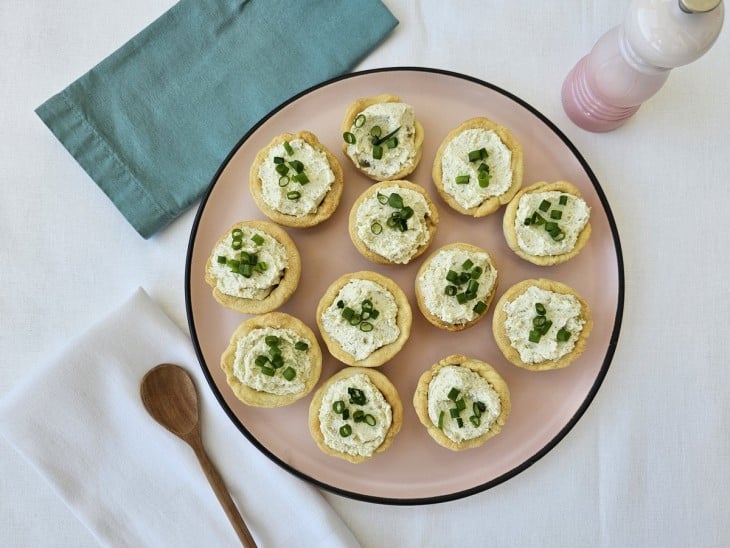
404	319
433	315
258	398
485	371
386	388
355	108
284	288
491	203
505	344
510	220
326	207
430	220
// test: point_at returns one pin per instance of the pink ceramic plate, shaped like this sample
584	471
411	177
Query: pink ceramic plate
545	405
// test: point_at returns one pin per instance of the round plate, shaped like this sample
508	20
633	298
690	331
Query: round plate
545	405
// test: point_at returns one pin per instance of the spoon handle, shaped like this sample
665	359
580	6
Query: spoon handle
221	492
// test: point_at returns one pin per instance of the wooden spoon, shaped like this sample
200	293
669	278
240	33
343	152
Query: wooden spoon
169	395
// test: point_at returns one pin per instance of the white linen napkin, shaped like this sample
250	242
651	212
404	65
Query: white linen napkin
80	422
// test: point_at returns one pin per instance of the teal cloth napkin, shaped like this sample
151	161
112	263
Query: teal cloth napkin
152	123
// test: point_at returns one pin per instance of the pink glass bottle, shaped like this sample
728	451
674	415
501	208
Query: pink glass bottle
631	62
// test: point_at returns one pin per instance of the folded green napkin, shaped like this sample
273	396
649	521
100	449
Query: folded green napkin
152	123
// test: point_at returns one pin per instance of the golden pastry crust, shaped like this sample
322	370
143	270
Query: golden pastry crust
493	203
356	107
503	341
510	218
403	320
257	398
388	391
433	318
432	219
328	205
281	293
484	370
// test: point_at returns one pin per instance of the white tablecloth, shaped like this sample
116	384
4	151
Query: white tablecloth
647	465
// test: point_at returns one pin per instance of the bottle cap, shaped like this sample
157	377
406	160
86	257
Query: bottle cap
698	6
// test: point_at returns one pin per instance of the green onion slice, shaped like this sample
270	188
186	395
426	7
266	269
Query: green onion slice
289	374
376	227
476	421
375	131
544	205
237	233
395	200
392	142
563	335
301	345
563	200
358	415
454	394
556	214
222	259
359	120
382	198
366	327
283	180
288	148
441	420
345	430
451	290
357	396
462	179
260	361
293	195
338	407
540	308
383	139
377	152
480	307
268	371
369	420
349	138
258	239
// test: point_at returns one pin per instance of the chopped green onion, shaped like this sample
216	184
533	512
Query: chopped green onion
359	120
537	219
551	226
556	214
283	180
546	327
544	205
476	421
297	166
461	298
237	243
349	138
381	140
374	313
367	304
452	277
288	148
558	236
375	131
451	290
563	200
480	307
476	409
476	272
475	155
382	198
289	374
348	313
376	227
301	178
484	178
358	415
459	422
340	304
268	371
301	345
366	327
377	152
258	239
460	404
246	270
466	265
472	286
293	195
271	340
260	361
454	412
282	169
528	221
540	308
338	407
345	430
233	264
355	319
481	405
392	142
237	233
453	394
222	259
539	321
369	420
274	350
534	336
262	266
345	414
277	361
278	160
462	179
563	335
406	213
441	421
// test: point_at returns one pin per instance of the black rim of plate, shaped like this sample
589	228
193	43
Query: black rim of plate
528	462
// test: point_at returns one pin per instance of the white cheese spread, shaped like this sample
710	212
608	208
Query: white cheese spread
433	282
262	281
364	437
455	163
563	310
392	243
472	388
534	239
253	345
352	338
387	117
316	168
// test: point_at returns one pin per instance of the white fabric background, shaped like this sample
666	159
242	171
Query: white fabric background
647	465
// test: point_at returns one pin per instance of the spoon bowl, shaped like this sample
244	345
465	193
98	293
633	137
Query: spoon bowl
169	395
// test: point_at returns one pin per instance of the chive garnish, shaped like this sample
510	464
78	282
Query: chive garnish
454	393
289	373
366	327
345	430
480	307
376	227
283	180
301	345
359	120
258	239
544	205
540	308
462	179
563	200
441	421
563	335
293	195
288	148
349	138
369	420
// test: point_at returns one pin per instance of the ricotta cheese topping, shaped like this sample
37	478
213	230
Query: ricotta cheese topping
455	163
536	238
391	242
563	310
271	261
355	339
364	436
472	389
387	117
269	375
433	283
277	188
